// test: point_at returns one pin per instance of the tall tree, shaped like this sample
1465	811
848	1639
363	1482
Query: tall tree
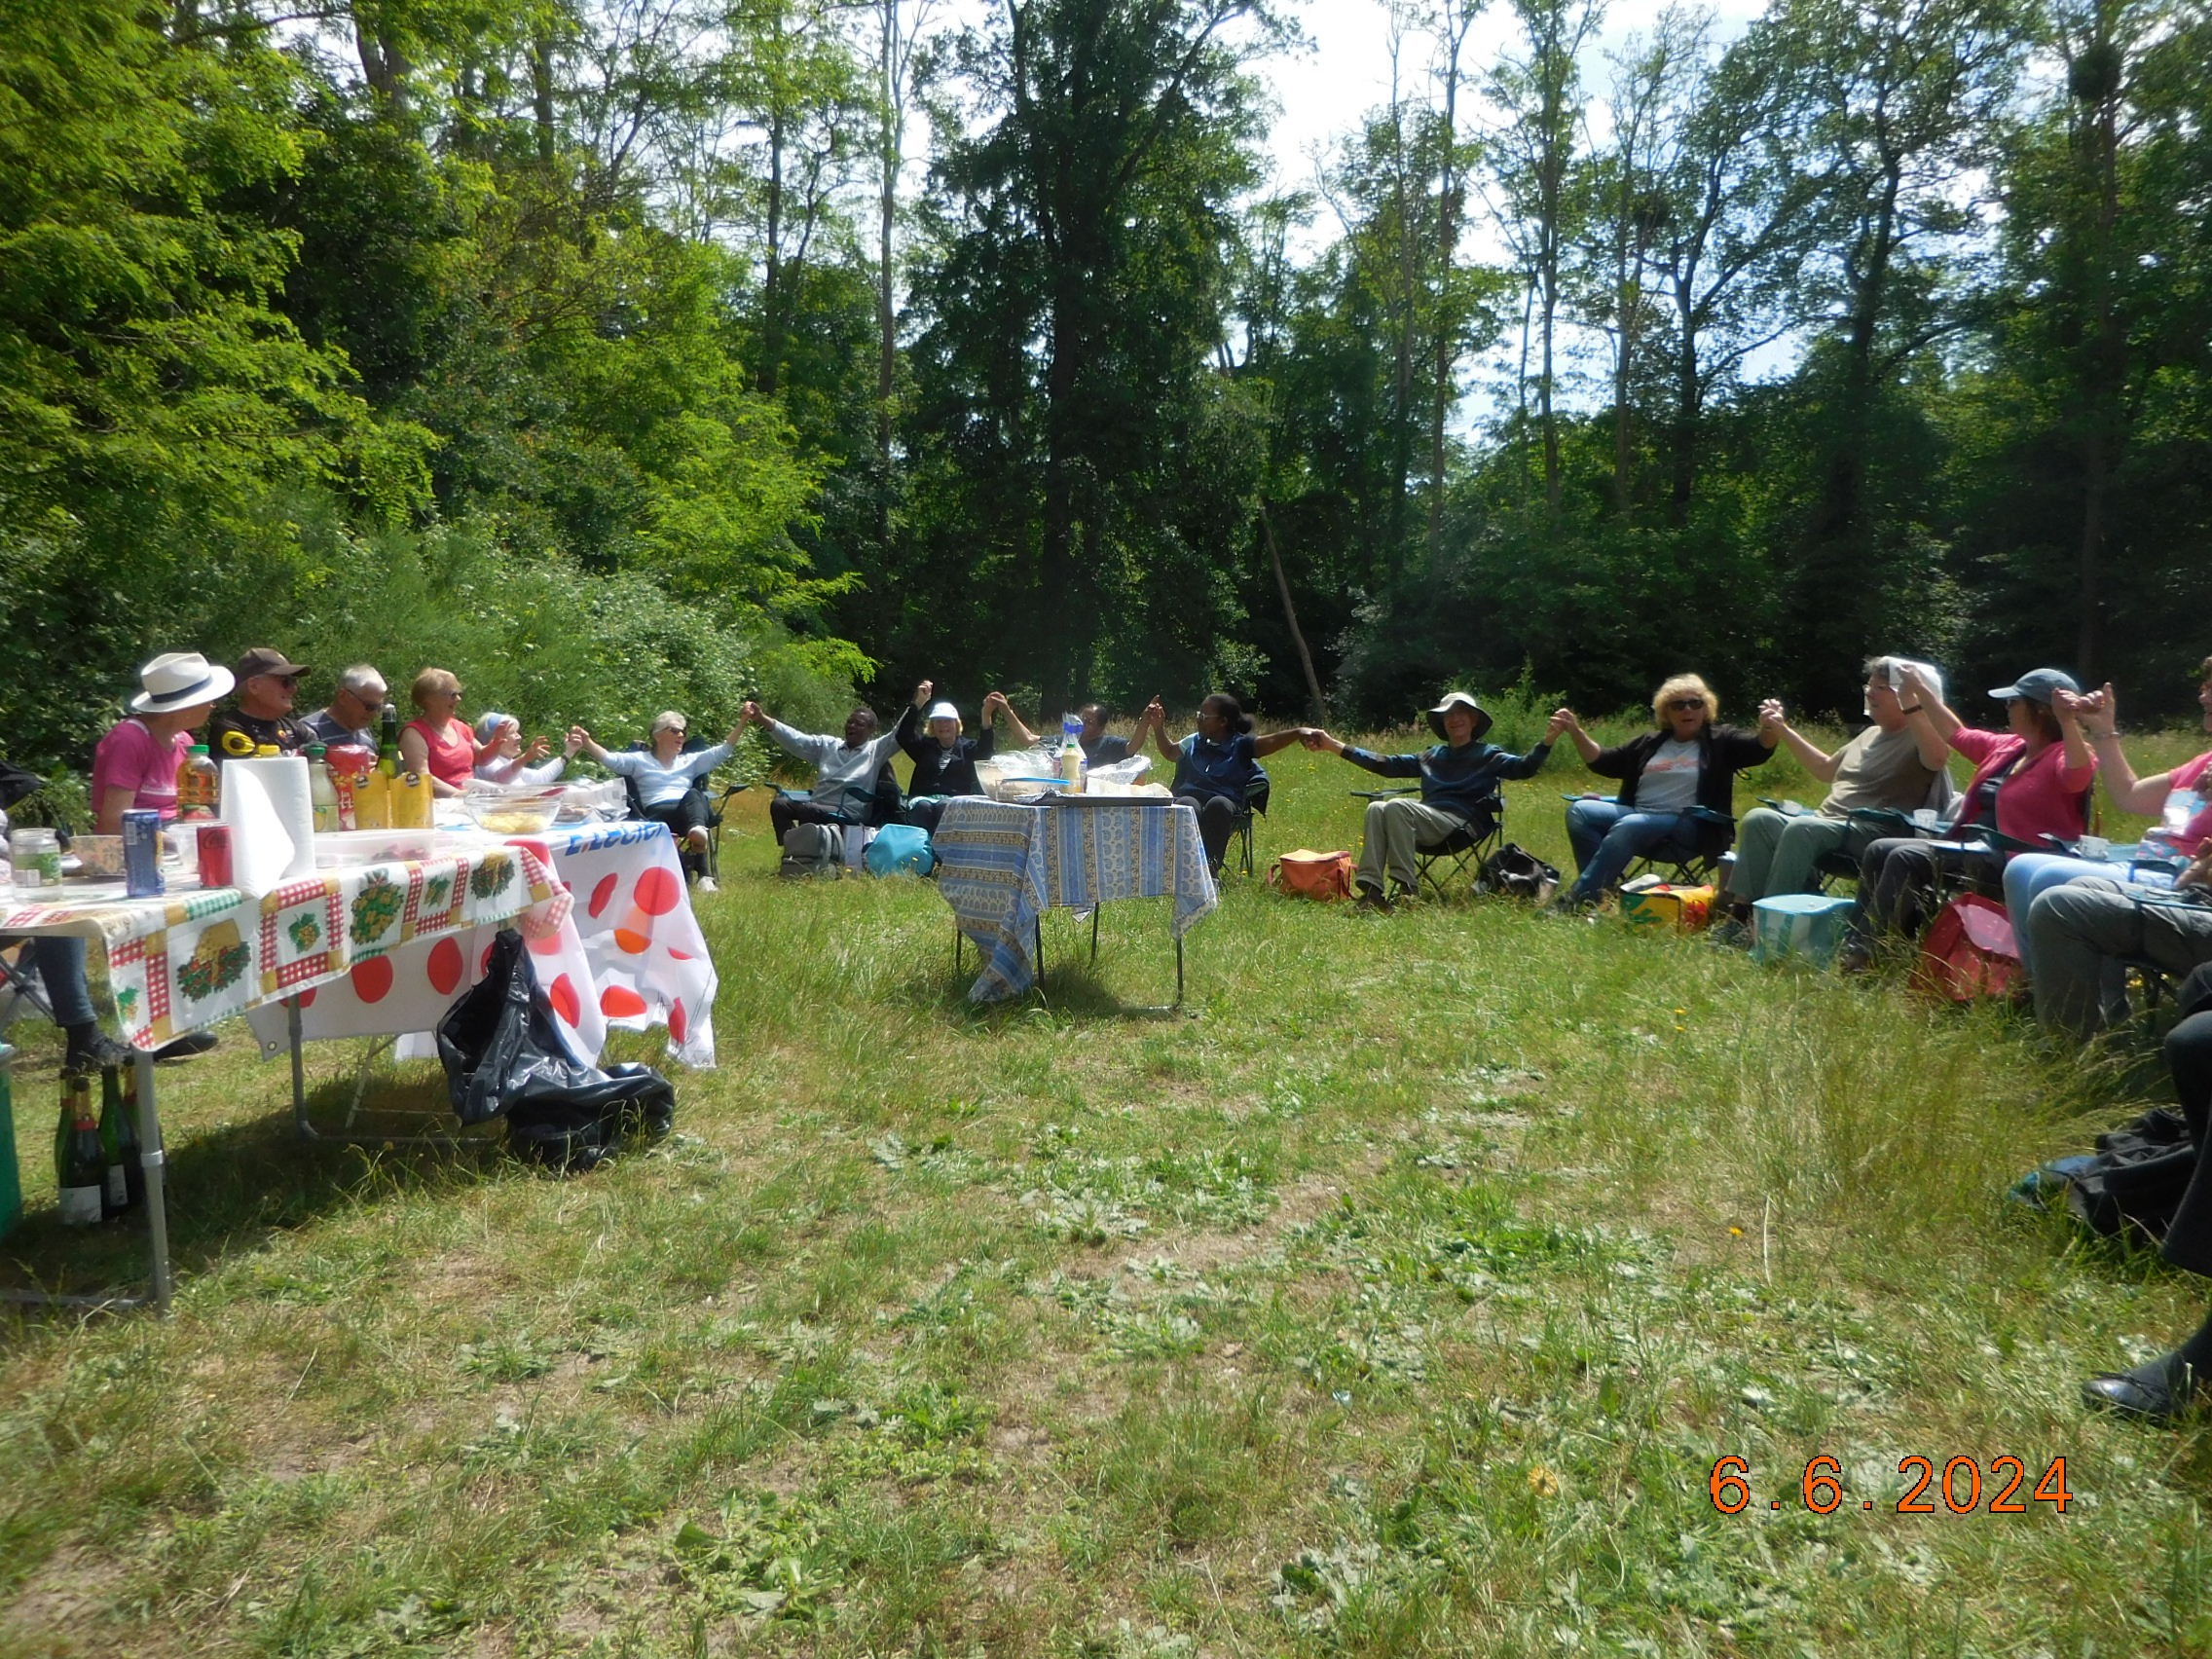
1538	98
1085	280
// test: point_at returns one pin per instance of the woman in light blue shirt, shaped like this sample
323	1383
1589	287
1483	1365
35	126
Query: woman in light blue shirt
667	780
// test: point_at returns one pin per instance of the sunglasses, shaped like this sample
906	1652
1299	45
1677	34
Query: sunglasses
1675	703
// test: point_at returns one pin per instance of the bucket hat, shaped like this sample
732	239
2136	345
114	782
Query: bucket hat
1461	700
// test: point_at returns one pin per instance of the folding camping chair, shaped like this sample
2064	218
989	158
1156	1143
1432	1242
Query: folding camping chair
1241	833
716	804
1461	853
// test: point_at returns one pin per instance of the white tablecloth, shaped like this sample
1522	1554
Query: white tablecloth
631	956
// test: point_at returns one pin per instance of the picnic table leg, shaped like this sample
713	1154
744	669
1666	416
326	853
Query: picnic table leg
306	1130
1095	909
153	1160
1178	970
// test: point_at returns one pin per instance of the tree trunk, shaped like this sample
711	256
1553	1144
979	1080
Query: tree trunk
1319	703
772	272
890	157
541	95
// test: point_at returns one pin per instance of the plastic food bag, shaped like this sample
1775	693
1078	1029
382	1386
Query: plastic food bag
504	1057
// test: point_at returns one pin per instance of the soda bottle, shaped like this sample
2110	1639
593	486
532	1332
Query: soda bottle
80	1161
115	1195
199	785
322	792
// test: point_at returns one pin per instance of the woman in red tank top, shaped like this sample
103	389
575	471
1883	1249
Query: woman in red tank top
438	741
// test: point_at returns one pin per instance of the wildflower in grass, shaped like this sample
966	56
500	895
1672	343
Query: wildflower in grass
1542	1481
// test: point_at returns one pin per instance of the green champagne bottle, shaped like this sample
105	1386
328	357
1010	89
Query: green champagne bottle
81	1173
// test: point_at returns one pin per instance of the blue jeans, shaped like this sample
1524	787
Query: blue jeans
2031	874
61	965
1607	837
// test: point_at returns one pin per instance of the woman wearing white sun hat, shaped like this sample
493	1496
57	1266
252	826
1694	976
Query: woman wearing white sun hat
135	765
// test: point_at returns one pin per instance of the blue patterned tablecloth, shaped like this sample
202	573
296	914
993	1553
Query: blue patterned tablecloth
1001	865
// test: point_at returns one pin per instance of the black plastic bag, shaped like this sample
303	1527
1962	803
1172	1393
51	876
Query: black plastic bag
504	1055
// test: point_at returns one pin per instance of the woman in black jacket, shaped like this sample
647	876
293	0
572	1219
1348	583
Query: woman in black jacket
945	759
1672	780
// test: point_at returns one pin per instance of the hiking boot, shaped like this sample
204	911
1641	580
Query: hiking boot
1371	900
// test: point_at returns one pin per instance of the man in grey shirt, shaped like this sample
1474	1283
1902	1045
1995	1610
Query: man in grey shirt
351	716
845	768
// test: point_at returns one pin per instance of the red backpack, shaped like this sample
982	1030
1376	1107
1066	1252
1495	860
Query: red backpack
1970	952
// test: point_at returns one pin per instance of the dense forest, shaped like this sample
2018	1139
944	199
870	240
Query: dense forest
623	352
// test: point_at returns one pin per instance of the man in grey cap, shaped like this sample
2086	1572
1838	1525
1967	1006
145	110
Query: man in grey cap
1460	781
268	685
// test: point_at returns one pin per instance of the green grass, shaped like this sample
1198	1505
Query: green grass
1397	1296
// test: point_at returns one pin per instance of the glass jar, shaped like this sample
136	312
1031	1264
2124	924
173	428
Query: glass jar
37	857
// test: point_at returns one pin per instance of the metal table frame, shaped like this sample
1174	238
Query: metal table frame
960	939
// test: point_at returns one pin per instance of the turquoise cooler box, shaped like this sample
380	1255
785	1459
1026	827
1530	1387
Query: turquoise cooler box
1807	924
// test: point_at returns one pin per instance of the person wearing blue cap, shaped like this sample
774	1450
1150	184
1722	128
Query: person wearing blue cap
2031	780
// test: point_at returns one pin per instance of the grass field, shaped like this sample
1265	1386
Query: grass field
1397	1296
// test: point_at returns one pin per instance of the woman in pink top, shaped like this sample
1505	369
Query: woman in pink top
2030	780
438	741
136	765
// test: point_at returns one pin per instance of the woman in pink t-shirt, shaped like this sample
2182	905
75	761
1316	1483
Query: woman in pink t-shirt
135	767
438	741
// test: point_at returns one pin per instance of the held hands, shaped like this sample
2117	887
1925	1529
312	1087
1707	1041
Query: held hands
751	715
1914	692
577	737
1155	715
1314	737
922	693
1562	721
2097	712
995	703
1772	716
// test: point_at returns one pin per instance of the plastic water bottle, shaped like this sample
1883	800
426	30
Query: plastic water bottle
1071	753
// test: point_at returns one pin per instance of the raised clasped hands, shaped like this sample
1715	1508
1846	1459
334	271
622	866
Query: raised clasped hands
577	737
1913	689
1772	716
922	693
2096	711
995	701
751	715
1563	721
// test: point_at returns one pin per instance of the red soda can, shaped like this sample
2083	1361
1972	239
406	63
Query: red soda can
214	854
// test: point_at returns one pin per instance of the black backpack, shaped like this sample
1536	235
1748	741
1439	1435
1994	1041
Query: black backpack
1518	874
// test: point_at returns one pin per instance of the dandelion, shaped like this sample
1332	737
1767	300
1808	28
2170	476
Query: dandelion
1542	1481
1735	1232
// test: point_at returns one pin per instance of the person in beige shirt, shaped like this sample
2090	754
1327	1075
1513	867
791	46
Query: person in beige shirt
1890	764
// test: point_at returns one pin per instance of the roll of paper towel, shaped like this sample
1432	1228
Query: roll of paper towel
271	813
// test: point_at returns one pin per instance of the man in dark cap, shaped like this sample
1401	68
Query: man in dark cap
267	685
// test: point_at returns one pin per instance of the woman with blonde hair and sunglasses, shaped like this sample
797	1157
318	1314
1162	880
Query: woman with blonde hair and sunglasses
1674	779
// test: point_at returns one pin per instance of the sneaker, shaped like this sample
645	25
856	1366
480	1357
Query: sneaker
97	1052
1371	898
707	884
190	1047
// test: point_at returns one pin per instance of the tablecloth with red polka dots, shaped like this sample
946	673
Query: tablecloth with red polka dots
629	955
182	962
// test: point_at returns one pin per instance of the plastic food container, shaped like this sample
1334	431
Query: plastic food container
348	847
512	809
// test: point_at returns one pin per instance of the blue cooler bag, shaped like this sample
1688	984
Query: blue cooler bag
900	849
1809	925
